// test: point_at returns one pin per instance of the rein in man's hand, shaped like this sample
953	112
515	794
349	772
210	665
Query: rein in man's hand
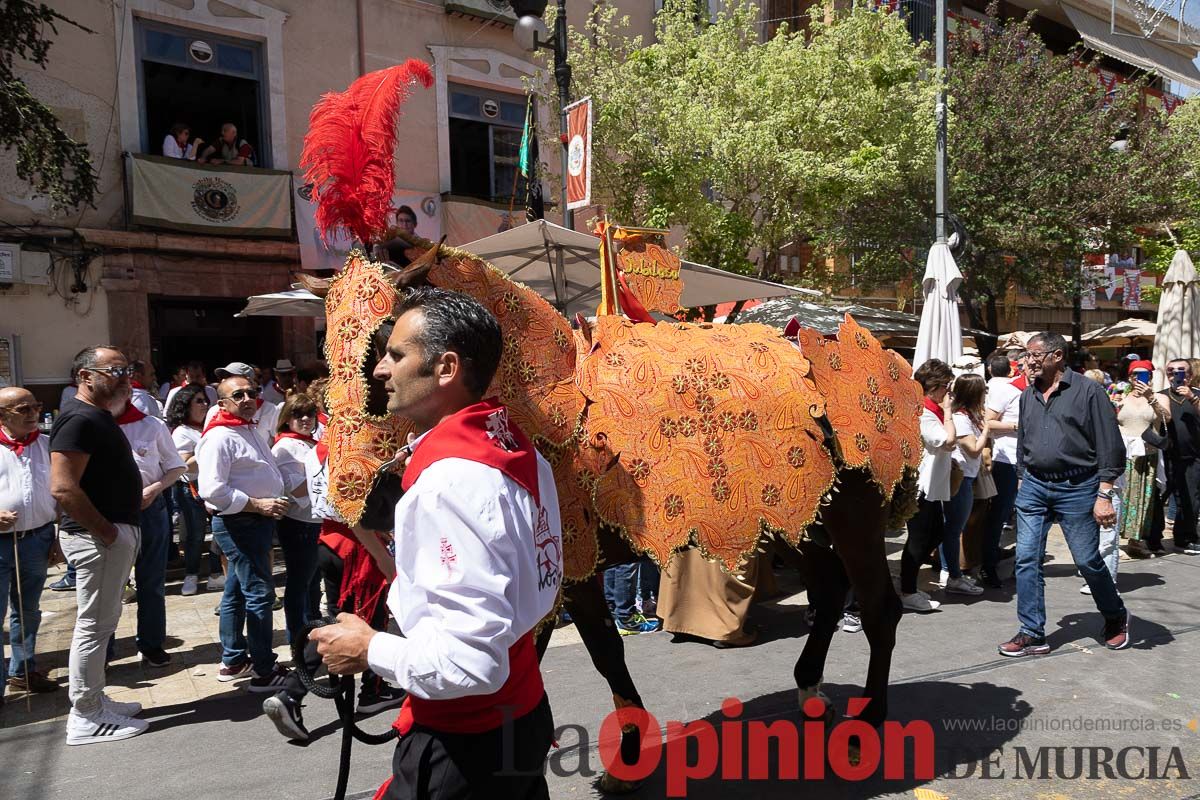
343	647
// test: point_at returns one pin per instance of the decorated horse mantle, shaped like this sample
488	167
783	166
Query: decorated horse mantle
674	434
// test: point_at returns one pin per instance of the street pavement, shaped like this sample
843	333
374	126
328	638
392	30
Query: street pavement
993	720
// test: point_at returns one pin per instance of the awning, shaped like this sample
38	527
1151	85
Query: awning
293	303
1133	49
530	254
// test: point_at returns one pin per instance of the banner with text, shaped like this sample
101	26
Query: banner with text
184	196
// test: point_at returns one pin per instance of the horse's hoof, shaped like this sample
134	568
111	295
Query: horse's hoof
610	785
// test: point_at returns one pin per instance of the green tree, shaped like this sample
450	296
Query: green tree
1184	230
748	144
47	158
1034	176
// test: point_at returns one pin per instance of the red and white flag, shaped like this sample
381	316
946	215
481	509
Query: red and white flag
579	154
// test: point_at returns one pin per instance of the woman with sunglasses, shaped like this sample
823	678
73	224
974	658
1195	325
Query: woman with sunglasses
185	418
298	529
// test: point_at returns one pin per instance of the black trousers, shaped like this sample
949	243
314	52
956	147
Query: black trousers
924	534
506	763
1185	485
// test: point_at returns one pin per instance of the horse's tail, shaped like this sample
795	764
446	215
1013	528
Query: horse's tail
904	500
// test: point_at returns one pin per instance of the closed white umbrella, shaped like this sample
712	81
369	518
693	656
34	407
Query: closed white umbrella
940	334
1178	314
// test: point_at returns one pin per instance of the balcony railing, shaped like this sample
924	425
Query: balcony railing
178	195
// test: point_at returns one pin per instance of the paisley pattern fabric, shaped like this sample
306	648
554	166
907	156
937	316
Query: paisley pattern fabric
714	431
652	274
871	401
359	300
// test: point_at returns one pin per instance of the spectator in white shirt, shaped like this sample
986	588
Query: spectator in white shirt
266	414
1003	410
938	437
299	529
284	382
27	514
143	399
241	484
176	144
161	466
185	418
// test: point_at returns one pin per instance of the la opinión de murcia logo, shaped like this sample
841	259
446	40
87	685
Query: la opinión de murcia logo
214	199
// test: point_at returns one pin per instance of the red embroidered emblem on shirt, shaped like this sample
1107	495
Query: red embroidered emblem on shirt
498	431
549	552
449	557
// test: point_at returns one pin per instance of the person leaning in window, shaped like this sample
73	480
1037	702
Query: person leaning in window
176	144
229	149
1069	454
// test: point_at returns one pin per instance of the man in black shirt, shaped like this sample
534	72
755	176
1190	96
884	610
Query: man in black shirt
96	482
1069	454
1181	449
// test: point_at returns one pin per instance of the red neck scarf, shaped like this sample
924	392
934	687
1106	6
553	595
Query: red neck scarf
138	385
322	418
293	435
131	414
936	409
482	433
18	445
223	419
1020	382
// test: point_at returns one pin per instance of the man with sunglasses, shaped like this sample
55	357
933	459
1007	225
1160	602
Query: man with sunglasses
27	516
266	417
1069	454
241	484
1180	444
96	482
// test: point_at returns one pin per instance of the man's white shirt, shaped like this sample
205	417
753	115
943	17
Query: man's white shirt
933	473
266	420
25	484
235	465
478	565
146	403
153	449
1004	399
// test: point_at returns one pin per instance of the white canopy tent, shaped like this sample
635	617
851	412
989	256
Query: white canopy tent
292	303
940	335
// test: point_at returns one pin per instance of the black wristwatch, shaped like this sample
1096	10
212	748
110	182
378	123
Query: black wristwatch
1109	495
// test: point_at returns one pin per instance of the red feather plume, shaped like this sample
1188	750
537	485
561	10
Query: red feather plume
349	151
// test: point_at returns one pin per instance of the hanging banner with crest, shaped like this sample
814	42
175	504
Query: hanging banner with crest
579	154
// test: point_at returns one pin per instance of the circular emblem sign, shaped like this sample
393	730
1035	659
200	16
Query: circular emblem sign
214	200
575	156
490	108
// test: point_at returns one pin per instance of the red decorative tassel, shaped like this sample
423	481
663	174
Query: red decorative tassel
349	151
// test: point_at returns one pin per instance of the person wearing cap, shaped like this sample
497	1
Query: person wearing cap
1141	518
285	381
241	484
266	415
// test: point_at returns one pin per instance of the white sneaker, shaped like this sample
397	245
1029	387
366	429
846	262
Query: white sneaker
130	709
190	584
129	596
104	726
943	577
919	602
1085	589
216	582
962	585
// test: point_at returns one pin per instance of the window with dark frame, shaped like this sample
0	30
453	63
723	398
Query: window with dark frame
485	144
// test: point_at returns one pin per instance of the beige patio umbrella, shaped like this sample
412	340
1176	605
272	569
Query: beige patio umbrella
1125	333
1178	315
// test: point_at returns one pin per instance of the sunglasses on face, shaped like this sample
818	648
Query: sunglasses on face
242	394
24	408
116	372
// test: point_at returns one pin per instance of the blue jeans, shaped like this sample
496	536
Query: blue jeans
245	539
1038	502
620	590
1005	476
32	553
957	510
299	543
150	575
195	522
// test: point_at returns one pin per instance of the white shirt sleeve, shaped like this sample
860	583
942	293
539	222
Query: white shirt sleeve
167	453
963	425
214	456
933	432
459	648
144	402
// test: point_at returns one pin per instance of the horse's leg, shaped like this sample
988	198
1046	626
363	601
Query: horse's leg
826	584
585	603
855	519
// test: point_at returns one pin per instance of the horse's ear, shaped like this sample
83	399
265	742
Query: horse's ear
318	286
585	329
416	273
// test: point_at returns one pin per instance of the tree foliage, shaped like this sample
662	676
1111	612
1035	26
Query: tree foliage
1184	230
748	144
1034	177
47	158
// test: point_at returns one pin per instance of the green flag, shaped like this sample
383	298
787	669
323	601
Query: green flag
527	135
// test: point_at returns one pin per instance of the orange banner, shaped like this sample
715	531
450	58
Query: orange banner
579	154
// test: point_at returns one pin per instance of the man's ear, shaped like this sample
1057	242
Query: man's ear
448	367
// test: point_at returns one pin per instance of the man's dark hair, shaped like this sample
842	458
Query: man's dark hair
933	374
88	358
407	210
998	366
194	364
456	323
1051	341
181	403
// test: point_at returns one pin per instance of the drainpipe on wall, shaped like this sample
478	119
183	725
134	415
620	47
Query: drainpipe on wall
362	37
